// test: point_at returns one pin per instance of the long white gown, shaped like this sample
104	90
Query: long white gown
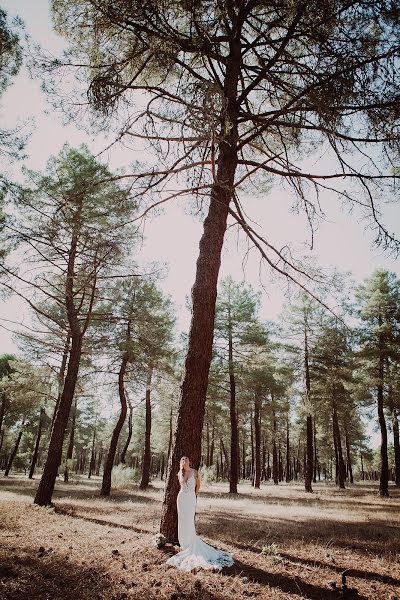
195	553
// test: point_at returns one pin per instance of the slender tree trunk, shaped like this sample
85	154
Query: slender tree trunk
61	376
308	471
212	442
170	436
70	449
1	440
128	439
257	435
362	467
190	416
384	478
14	452
225	454
106	484
396	444
147	445
287	450
92	465
252	448
315	453
341	472
37	443
233	477
2	409
275	474
264	459
243	456
348	454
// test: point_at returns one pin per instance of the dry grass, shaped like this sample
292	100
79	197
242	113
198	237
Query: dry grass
95	548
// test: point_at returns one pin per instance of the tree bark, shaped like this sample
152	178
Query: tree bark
147	438
106	484
37	443
14	452
191	408
70	449
46	486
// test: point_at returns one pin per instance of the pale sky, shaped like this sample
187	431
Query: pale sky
173	237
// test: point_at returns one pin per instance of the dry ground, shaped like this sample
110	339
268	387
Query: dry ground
94	548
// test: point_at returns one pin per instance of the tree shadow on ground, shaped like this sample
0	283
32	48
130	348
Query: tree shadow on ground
314	500
45	577
373	536
351	572
71	513
290	585
87	490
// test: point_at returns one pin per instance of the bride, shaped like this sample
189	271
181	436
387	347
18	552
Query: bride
195	553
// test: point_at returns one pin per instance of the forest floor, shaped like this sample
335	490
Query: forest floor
88	547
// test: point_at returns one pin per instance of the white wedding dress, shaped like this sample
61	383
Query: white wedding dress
195	553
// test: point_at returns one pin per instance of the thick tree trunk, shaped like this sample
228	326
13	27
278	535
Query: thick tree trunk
70	449
190	415
147	438
46	486
257	435
128	439
106	484
37	443
384	478
14	452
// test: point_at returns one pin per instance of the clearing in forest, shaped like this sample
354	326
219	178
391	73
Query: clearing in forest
287	544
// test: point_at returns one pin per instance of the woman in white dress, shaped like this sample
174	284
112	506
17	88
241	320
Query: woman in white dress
195	553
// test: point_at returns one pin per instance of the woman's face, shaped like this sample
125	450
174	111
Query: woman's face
184	462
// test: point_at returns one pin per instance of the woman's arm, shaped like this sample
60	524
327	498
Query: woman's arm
197	477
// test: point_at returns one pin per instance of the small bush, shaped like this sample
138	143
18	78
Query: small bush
270	550
208	474
123	476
